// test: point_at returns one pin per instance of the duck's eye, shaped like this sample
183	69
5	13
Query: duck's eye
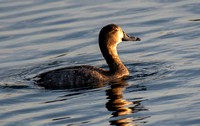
115	31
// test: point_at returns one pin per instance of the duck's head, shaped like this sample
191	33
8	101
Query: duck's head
112	34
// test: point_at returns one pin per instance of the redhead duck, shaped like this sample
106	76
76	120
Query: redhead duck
76	76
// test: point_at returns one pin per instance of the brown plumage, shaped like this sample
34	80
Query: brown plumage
80	76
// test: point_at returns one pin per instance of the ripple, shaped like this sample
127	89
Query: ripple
38	36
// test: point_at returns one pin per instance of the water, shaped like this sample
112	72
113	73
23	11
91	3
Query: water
164	83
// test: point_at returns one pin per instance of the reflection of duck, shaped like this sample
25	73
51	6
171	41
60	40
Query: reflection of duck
119	106
78	76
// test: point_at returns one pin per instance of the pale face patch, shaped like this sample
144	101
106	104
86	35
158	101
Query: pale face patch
120	36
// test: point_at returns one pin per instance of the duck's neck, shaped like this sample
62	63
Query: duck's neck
116	66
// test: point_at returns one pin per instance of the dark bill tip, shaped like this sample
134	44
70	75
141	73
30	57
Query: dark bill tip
130	38
138	39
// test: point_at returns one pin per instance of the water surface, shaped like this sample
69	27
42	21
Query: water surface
163	87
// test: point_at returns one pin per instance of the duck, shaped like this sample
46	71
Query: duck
79	76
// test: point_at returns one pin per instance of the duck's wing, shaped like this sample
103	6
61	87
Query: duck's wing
71	77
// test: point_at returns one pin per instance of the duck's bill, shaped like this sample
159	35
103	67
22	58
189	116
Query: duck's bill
130	38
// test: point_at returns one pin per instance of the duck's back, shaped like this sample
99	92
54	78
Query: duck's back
73	77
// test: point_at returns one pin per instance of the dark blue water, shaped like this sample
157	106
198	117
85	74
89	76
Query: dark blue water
164	83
